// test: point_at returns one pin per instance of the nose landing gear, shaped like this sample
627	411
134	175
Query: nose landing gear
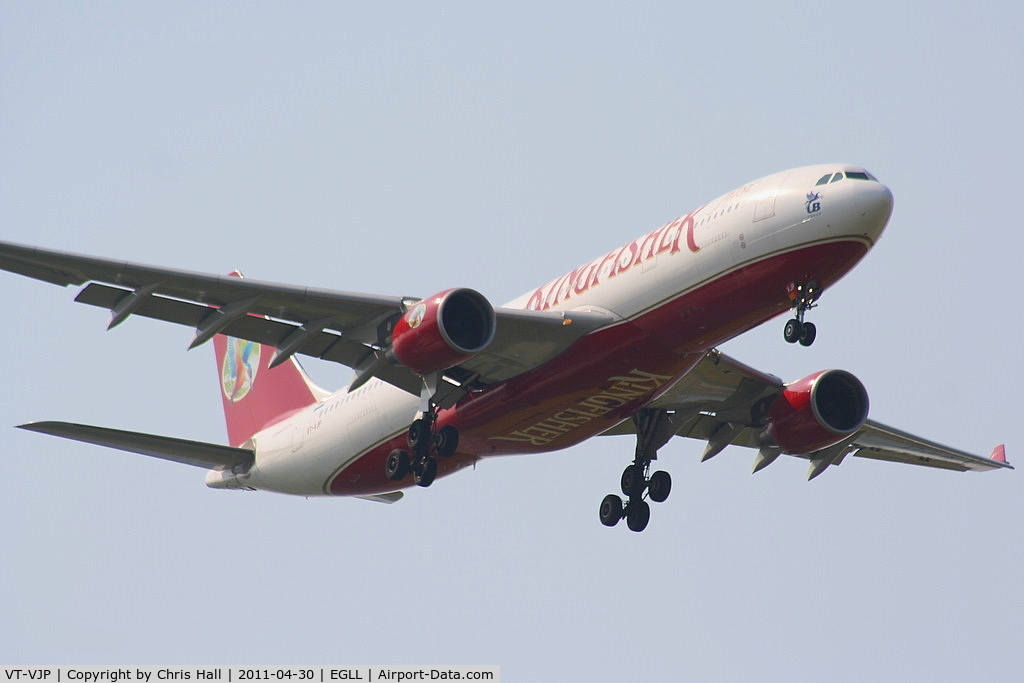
804	296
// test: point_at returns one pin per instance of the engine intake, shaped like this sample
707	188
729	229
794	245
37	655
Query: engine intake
443	330
817	411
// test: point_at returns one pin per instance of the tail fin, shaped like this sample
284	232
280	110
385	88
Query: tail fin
255	395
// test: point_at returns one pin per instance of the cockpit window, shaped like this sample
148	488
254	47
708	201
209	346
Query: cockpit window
836	177
830	178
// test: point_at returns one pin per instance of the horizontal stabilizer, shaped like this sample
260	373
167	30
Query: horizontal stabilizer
388	498
195	453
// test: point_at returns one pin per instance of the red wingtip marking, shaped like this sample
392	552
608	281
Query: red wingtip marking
999	453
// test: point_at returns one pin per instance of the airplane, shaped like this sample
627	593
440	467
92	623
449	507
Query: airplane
623	344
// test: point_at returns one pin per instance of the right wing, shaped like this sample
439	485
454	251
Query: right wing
344	327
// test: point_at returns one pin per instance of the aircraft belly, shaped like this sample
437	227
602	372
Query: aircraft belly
603	379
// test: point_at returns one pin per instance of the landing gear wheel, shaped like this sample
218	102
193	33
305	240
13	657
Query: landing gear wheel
659	486
632	481
419	435
638	514
793	330
807	334
446	441
397	465
803	296
611	510
425	472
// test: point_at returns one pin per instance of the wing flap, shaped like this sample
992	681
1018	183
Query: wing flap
195	453
324	344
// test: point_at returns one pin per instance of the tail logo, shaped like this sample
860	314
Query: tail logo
238	373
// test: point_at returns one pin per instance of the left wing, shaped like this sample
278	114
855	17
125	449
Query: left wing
345	327
723	402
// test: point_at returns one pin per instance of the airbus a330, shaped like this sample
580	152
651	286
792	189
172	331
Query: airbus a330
624	344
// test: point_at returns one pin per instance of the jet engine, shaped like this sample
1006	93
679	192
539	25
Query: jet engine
443	330
816	412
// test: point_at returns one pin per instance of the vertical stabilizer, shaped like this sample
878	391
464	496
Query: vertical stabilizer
255	395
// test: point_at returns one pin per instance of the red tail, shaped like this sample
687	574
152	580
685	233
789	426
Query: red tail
255	395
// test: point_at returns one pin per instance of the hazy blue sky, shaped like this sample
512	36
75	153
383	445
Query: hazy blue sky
402	148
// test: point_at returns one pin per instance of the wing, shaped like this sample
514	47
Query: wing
345	327
723	402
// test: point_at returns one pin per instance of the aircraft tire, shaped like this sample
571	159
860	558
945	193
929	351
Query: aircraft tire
419	435
425	473
446	441
807	334
638	514
396	467
611	510
632	482
659	486
791	333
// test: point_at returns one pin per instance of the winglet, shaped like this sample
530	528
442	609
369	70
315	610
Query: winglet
999	454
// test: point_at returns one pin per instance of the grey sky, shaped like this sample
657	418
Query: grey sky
403	149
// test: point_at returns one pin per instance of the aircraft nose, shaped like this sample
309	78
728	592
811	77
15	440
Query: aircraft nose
875	205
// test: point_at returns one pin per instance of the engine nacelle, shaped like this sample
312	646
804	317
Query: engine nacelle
443	330
816	412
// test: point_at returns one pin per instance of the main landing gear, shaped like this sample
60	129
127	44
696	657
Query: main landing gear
426	441
426	444
653	430
804	297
